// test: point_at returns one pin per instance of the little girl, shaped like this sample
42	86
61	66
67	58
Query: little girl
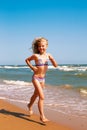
40	58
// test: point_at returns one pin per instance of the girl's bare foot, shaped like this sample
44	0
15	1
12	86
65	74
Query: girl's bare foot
44	120
30	111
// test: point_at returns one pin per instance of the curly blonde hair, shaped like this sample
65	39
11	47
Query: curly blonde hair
35	44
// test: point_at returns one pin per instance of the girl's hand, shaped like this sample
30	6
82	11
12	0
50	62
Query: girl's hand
34	68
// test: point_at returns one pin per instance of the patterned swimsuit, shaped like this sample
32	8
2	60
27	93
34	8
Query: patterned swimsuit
41	62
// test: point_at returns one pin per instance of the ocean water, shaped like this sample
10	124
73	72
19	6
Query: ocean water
66	87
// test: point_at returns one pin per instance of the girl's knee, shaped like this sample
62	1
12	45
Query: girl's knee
42	97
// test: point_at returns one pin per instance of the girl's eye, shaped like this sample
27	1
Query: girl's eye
39	46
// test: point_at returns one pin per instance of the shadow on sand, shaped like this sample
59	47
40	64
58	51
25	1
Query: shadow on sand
20	115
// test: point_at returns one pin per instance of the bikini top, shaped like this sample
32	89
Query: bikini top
42	61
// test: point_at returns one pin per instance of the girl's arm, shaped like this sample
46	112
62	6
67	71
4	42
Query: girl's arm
34	68
54	63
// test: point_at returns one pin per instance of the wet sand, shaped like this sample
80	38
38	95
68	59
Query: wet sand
13	117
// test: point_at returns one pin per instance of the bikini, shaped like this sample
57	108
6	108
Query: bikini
41	63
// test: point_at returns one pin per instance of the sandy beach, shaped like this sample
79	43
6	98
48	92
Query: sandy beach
13	117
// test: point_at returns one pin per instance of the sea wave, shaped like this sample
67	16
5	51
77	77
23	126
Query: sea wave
83	91
60	67
72	68
66	99
21	66
12	67
17	82
81	75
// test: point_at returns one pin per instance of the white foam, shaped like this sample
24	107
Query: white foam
17	82
72	68
52	67
14	100
83	91
60	67
13	67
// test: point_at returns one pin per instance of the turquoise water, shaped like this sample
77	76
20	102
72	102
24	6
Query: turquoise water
66	89
75	75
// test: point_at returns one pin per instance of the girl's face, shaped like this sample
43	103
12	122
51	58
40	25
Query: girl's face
42	46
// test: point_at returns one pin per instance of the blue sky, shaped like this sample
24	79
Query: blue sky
62	22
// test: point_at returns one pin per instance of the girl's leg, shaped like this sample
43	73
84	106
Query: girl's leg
33	98
39	90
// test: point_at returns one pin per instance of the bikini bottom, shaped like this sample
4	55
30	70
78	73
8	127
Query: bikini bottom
40	79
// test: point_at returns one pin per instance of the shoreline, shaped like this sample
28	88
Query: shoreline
66	122
14	117
74	122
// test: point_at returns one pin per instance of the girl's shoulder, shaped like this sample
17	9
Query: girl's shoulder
36	56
